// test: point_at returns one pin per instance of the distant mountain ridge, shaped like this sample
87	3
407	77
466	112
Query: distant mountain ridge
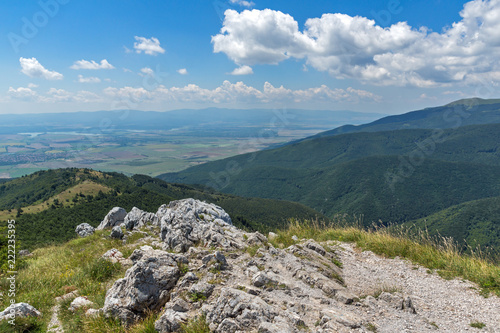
473	111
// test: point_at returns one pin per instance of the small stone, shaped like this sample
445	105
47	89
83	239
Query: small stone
80	302
295	238
272	236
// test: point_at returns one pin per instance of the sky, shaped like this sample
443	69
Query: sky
384	56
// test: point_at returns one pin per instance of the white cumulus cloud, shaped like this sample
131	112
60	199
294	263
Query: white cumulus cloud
242	70
146	71
23	94
182	71
357	48
149	46
90	79
32	68
85	64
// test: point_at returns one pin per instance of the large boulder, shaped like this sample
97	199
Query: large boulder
116	232
116	216
188	222
84	230
146	285
194	208
137	218
19	310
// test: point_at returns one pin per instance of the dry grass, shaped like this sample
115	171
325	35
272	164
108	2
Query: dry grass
65	198
440	254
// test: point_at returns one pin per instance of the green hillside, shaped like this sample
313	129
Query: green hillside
57	222
353	173
473	223
473	111
390	176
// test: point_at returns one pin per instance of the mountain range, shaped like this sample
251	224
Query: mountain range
395	170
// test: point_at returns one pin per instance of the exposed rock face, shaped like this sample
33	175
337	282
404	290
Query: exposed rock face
187	222
19	310
240	283
116	232
116	216
84	230
137	218
146	284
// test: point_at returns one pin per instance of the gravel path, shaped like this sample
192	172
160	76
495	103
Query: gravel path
441	305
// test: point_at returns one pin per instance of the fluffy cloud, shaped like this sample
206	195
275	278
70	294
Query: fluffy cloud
243	70
243	3
23	94
53	95
84	64
182	71
239	92
90	79
32	68
355	47
149	46
146	71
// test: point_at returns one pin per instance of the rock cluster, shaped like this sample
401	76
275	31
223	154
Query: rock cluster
202	266
84	230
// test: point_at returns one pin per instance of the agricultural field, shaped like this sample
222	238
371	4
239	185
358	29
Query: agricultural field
130	152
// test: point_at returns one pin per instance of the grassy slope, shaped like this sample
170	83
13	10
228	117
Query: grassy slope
475	222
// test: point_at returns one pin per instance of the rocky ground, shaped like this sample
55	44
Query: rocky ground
199	265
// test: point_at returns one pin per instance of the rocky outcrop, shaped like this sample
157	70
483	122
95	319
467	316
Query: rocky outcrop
239	282
84	230
19	310
116	216
185	223
137	218
146	285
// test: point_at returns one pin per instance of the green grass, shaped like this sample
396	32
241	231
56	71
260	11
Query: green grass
478	324
441	255
196	325
55	269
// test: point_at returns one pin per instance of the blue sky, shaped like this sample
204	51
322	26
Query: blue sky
386	56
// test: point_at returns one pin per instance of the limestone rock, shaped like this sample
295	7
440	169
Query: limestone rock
146	286
187	222
113	255
116	232
170	321
115	217
137	218
246	310
84	230
24	253
19	310
80	302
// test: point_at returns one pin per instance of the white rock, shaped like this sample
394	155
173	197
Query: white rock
115	217
80	302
